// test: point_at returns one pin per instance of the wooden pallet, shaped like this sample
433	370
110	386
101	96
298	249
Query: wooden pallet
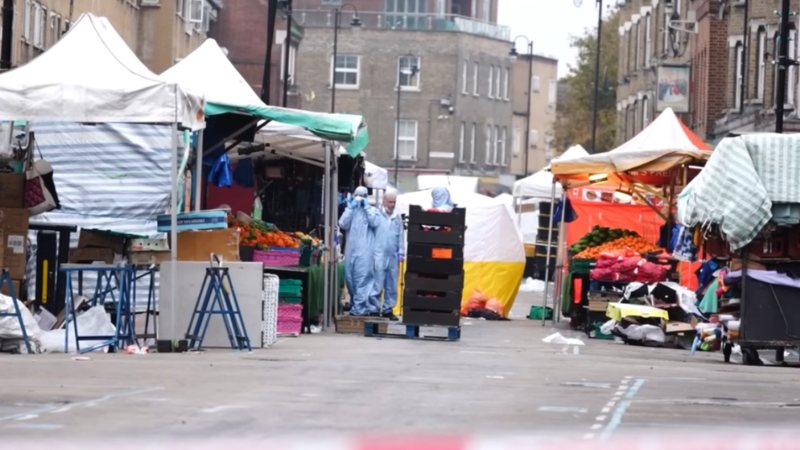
347	324
412	331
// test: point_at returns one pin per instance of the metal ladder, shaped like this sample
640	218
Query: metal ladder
217	297
5	280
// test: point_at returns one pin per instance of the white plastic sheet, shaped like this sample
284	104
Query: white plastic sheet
94	322
9	325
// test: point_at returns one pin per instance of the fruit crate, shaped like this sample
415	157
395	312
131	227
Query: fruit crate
581	265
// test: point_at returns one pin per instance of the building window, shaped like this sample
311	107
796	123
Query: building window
464	72
665	44
491	81
472	158
486	15
738	75
408	14
26	21
503	159
408	72
536	83
292	63
346	72
39	24
488	155
461	154
636	124
636	45
791	76
552	91
497	146
406	141
497	83
648	39
55	28
475	90
645	112
505	83
775	54
761	61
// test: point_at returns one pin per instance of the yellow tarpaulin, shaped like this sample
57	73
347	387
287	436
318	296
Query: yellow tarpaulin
618	311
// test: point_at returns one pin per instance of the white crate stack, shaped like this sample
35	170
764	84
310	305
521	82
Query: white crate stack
269	323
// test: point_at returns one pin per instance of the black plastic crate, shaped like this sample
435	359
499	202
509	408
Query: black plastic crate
423	317
415	264
434	282
441	251
455	218
769	313
432	301
419	234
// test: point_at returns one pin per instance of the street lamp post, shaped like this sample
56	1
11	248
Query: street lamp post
337	19
410	72
514	53
597	75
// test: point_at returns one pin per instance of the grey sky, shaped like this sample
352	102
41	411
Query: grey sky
549	24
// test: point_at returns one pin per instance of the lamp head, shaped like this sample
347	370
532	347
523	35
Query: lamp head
356	22
513	53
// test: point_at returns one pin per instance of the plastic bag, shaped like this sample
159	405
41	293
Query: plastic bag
476	301
9	325
495	306
94	322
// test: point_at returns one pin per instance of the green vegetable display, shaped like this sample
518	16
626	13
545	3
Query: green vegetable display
598	236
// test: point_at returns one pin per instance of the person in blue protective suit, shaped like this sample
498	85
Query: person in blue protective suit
389	253
359	221
441	199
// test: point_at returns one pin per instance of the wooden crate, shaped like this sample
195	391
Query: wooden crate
347	324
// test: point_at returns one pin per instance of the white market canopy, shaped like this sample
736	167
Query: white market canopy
452	182
664	144
208	70
540	184
91	75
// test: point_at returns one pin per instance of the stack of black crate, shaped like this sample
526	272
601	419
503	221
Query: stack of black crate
434	276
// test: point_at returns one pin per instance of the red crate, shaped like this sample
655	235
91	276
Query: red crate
769	247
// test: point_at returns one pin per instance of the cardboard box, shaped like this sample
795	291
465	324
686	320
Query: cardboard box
90	255
101	239
12	188
17	285
199	245
14	230
148	245
147	258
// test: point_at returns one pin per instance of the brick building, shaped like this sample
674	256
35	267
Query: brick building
751	77
242	31
654	39
455	111
159	31
543	96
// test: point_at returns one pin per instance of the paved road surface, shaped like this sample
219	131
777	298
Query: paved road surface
500	380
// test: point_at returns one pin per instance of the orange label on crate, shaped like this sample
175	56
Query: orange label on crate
442	253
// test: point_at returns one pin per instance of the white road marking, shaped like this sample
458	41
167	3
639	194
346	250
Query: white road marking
597	426
62	408
616	418
588	436
563	409
600	418
219	408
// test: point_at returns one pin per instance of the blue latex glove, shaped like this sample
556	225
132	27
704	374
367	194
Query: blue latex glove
400	257
352	203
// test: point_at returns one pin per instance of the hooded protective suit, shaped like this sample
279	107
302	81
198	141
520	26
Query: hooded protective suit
389	251
441	199
359	221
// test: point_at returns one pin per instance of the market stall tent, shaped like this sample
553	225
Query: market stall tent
540	184
493	266
665	143
91	75
208	70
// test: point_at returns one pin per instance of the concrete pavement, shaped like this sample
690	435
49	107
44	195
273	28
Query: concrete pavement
500	379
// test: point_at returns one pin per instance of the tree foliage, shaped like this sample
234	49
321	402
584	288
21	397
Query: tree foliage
574	116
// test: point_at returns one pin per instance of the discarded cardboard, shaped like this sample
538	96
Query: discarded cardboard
101	239
90	255
14	231
12	187
199	245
